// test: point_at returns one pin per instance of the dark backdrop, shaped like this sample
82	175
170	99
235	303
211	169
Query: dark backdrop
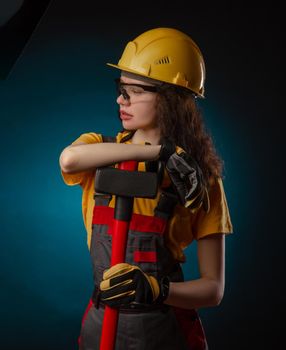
56	85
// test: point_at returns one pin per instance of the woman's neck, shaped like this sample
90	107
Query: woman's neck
151	135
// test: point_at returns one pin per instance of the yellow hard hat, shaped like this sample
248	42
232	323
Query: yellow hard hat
167	55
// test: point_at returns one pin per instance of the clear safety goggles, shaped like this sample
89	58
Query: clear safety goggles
133	91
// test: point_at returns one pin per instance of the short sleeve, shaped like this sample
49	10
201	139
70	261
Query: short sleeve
217	220
80	177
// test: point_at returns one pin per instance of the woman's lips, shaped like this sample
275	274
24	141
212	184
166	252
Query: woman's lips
125	116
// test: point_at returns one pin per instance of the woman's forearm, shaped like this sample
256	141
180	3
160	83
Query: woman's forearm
89	156
203	292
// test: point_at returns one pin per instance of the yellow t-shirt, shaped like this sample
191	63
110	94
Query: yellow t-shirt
182	228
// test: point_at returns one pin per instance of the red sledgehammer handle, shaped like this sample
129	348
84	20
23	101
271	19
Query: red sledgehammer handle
118	250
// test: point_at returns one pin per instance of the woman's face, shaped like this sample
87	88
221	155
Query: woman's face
136	105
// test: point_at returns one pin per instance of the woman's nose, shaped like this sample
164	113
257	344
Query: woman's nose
122	101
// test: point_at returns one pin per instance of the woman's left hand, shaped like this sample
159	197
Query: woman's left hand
125	284
186	176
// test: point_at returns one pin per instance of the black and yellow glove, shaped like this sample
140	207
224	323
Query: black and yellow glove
125	284
186	176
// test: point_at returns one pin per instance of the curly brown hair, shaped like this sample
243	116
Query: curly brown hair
181	121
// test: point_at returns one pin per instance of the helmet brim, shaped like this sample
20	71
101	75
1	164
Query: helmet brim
127	70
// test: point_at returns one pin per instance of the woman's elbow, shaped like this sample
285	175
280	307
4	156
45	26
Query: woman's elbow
217	295
68	160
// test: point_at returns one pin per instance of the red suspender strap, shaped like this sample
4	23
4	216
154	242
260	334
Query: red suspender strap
103	215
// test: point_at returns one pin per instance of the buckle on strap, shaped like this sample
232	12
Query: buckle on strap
102	199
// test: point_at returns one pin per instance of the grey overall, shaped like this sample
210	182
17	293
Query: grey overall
154	327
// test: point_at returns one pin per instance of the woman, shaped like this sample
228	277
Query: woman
162	74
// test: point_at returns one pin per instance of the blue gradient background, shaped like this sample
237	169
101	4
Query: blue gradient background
61	87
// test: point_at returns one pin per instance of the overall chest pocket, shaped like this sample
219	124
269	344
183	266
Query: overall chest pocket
148	251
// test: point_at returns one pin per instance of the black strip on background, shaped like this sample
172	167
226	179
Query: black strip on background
15	33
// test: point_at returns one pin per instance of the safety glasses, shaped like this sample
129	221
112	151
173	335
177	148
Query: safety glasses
133	91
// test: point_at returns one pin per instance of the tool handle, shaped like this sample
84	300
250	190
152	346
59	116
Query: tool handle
119	240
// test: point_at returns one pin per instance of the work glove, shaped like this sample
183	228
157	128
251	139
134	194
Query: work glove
186	176
124	285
